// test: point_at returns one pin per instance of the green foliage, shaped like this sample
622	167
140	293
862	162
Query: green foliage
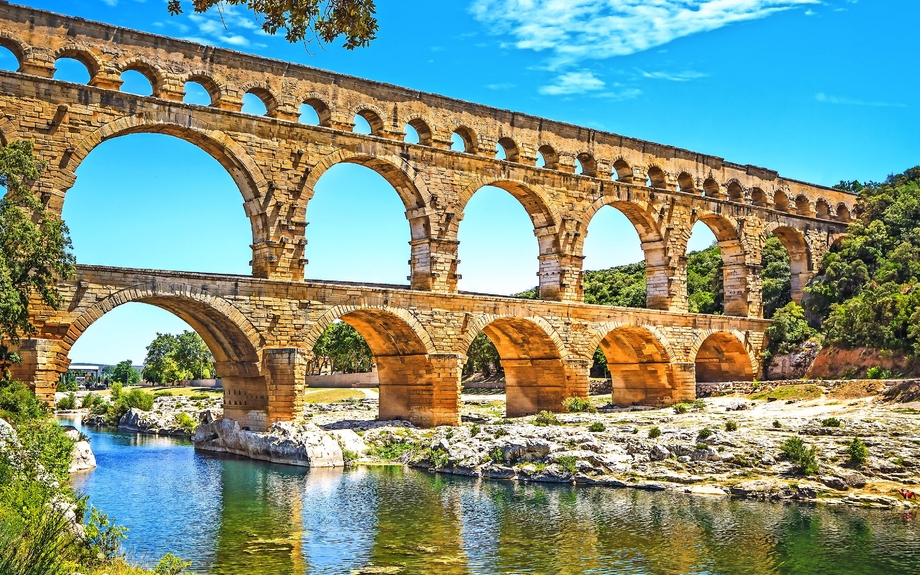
876	372
392	448
69	401
578	405
501	432
596	427
621	286
34	249
90	400
803	457
39	546
568	462
680	408
124	373
474	430
172	358
704	280
654	433
731	425
115	390
704	433
866	292
776	280
345	347
138	398
104	536
497	456
67	384
777	424
186	422
545	418
162	393
169	564
304	20
482	357
789	330
831	422
857	452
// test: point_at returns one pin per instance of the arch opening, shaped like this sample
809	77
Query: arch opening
843	213
803	206
141	227
780	201
136	82
656	178
685	183
497	248
759	198
622	170
822	210
507	149
711	189
368	122
308	115
10	58
72	69
357	229
722	357
256	102
797	261
640	368
535	377
713	247
623	258
422	131
464	139
735	192
547	158
201	91
585	164
315	112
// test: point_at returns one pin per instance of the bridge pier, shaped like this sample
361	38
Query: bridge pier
42	364
534	385
423	389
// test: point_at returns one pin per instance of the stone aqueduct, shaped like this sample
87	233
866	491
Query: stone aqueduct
261	329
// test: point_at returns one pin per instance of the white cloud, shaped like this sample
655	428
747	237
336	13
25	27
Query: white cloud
577	30
825	99
111	3
228	26
499	86
573	83
673	76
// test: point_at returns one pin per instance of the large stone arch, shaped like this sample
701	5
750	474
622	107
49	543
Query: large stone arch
734	259
646	222
532	356
232	339
402	349
800	260
641	364
7	131
723	356
535	200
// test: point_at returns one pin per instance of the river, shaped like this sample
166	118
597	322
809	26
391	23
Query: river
236	516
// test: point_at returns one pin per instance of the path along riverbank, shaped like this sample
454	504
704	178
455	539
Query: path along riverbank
722	446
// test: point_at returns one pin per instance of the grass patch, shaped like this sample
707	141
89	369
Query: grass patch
545	418
786	392
831	422
596	427
654	433
321	395
578	405
390	450
202	392
731	425
567	462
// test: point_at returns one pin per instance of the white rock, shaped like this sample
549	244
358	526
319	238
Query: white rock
350	440
83	457
304	445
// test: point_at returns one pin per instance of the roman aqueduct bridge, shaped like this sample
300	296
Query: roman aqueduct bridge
261	328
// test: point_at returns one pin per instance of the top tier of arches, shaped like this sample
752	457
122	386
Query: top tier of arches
391	112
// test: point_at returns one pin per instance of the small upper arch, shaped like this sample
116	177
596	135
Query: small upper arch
758	197
15	46
263	93
780	201
656	178
550	157
622	169
711	188
320	107
147	70
422	128
735	191
588	163
468	139
803	205
373	116
206	81
685	183
81	55
822	209
843	213
510	148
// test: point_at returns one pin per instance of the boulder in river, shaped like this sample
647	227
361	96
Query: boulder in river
301	444
83	457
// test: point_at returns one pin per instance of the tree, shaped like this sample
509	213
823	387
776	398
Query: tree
34	249
482	357
776	276
192	354
172	358
325	19
124	373
346	348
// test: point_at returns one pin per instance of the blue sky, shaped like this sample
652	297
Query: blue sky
818	90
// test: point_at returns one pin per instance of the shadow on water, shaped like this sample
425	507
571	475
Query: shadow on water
236	516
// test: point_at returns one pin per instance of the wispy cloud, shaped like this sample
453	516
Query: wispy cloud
573	83
229	26
673	76
499	86
111	3
575	30
825	99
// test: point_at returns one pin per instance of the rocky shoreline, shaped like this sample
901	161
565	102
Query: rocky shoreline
721	446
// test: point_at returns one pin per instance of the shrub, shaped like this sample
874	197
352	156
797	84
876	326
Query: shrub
474	431
186	422
137	398
103	536
199	396
578	405
831	422
162	393
704	433
497	456
116	390
731	425
568	462
596	427
545	418
701	447
805	458
876	372
789	330
654	433
857	452
89	400
169	564
67	402
501	432
681	408
777	424
699	405
391	449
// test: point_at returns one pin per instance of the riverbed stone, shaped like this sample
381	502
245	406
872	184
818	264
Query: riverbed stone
834	482
83	457
301	444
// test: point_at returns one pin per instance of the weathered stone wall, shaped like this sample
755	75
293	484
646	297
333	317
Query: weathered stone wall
262	334
276	162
